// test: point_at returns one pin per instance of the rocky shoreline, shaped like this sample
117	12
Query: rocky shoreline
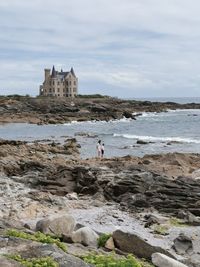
54	111
151	203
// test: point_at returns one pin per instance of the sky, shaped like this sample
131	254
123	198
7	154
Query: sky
129	48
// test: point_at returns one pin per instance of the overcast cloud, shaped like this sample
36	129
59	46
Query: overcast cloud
129	48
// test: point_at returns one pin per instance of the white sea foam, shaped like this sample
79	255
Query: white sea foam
77	122
97	122
168	112
183	110
158	139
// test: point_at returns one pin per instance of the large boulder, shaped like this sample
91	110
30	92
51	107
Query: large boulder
58	226
85	236
161	260
132	243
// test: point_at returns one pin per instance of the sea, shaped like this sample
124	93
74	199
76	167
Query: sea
171	131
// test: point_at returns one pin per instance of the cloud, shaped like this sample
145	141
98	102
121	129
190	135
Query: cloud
132	47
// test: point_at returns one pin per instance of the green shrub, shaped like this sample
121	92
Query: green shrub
93	96
38	236
103	239
111	260
34	262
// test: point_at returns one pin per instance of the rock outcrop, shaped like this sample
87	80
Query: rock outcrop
137	189
44	110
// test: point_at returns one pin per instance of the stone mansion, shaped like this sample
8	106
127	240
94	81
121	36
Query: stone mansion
59	84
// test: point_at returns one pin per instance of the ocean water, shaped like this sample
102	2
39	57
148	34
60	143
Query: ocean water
170	131
180	100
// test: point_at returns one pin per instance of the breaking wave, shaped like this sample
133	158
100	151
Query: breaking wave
158	139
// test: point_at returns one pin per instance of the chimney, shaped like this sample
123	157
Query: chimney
46	73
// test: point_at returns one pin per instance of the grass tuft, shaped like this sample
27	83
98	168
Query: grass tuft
103	238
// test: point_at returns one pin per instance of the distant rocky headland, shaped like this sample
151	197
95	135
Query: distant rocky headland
46	110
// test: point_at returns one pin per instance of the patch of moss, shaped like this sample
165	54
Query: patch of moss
176	222
38	236
100	260
161	229
34	262
103	239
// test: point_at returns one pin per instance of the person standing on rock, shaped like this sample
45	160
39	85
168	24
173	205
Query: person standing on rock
99	149
102	150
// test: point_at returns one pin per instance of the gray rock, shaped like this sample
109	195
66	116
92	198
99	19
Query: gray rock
132	243
183	245
155	219
161	260
189	218
63	259
110	244
85	236
31	249
142	142
57	225
9	263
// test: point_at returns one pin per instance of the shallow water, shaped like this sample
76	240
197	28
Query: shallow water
181	127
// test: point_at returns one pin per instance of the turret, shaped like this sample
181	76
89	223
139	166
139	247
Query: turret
46	73
53	74
72	72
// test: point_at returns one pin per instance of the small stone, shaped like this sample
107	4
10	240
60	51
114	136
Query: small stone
110	244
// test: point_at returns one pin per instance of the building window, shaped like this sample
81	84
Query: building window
58	83
74	90
58	89
70	82
66	82
74	82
